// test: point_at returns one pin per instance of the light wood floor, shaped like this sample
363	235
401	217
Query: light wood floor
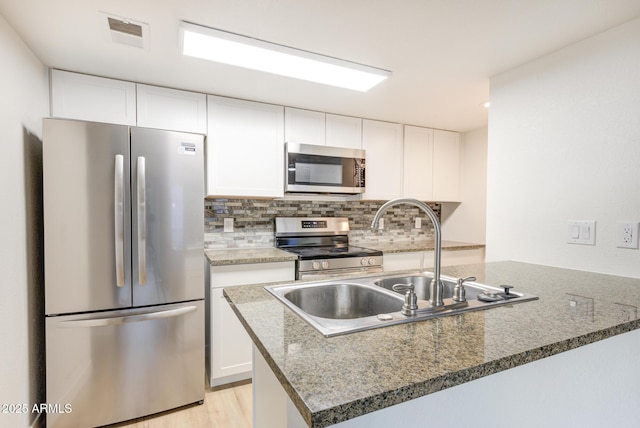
224	407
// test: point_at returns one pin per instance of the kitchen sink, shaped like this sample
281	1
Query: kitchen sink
335	307
343	300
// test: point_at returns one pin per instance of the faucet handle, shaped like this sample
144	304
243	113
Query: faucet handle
459	293
403	287
410	298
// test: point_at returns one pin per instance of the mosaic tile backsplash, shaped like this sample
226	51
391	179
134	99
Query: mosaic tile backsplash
254	225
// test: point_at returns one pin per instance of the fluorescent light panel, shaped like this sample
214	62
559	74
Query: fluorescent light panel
228	48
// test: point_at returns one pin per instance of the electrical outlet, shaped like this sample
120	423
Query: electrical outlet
381	224
418	222
228	224
627	234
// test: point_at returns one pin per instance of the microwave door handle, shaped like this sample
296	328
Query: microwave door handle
118	213
142	221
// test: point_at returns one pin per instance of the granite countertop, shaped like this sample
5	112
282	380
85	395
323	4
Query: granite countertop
403	247
248	255
335	379
265	255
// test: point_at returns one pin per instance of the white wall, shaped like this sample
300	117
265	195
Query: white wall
564	144
23	85
466	221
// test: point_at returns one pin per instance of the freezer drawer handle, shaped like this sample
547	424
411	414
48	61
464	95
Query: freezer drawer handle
142	223
118	194
107	321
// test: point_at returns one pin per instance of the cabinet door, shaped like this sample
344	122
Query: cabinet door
91	98
230	344
418	163
403	261
383	144
304	126
462	257
446	166
343	131
245	148
171	109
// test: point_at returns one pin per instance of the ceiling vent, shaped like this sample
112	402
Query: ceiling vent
126	31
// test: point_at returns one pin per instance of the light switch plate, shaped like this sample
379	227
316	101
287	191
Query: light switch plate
228	224
581	232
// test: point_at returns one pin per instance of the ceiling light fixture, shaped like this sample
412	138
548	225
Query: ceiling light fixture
228	48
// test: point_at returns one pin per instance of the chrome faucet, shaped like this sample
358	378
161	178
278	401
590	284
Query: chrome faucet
435	288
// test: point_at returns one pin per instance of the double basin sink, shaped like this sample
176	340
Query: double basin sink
341	306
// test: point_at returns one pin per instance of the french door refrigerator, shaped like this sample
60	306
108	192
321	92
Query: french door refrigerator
124	277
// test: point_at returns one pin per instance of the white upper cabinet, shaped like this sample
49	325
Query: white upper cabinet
171	109
418	163
322	129
245	148
304	126
96	99
446	166
343	131
383	144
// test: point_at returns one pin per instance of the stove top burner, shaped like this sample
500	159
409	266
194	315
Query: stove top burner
330	251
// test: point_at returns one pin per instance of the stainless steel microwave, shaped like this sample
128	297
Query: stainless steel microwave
324	169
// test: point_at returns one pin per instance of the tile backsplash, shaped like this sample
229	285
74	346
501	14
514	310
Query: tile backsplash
254	224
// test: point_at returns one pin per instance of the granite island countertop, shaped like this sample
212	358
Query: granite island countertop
335	379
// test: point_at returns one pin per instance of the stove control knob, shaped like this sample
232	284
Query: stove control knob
363	261
315	265
372	261
325	265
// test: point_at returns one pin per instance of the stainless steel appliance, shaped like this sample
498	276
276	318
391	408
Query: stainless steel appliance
322	246
124	283
324	169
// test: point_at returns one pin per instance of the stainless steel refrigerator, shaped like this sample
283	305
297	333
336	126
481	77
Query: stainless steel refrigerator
124	282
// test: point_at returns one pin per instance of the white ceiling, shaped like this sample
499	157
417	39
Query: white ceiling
441	52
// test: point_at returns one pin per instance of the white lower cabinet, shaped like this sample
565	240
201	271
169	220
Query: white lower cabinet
230	345
403	261
462	257
424	259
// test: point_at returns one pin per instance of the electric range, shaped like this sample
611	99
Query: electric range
323	249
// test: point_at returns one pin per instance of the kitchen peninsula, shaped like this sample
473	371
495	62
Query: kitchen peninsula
519	365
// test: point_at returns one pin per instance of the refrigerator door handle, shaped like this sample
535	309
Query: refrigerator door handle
107	321
118	194
142	222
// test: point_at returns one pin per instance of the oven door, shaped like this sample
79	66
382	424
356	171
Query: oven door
324	169
333	273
